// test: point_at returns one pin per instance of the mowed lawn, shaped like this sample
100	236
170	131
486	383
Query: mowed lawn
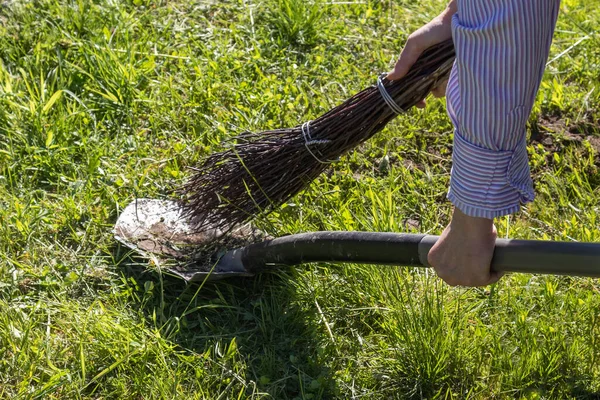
102	102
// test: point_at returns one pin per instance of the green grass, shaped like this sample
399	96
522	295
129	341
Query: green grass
102	102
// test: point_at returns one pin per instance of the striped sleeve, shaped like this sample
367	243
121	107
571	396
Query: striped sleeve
501	50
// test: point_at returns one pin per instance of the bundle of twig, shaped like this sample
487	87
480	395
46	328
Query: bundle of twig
262	171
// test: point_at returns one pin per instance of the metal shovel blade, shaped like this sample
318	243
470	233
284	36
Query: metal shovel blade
157	230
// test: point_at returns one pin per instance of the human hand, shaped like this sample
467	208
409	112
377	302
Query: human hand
463	253
434	32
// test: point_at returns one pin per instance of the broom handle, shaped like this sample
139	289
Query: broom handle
529	256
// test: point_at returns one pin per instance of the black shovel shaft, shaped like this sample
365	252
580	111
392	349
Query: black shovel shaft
529	256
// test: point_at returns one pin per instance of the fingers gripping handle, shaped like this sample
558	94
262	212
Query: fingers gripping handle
533	256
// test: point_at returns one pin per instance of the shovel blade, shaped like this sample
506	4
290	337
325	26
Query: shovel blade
159	231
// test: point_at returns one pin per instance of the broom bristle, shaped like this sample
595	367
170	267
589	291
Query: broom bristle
262	171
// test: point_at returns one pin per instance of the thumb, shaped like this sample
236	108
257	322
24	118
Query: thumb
407	58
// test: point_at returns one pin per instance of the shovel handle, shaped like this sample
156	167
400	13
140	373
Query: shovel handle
403	249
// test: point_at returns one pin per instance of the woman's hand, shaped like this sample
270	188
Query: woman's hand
464	251
436	31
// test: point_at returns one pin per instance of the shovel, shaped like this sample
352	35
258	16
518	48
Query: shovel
157	230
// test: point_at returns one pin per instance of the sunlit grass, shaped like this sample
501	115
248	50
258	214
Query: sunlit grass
102	102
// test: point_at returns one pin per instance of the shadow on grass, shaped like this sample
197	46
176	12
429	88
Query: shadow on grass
255	329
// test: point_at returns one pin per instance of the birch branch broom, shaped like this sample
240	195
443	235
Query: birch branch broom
261	171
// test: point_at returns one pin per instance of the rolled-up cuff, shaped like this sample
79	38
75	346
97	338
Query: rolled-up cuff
487	183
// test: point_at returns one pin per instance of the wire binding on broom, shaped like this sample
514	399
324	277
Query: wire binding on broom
386	96
309	141
262	171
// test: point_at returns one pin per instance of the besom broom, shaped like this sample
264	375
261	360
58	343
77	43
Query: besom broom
263	170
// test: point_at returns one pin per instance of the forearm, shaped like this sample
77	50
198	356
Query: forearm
501	50
451	8
445	16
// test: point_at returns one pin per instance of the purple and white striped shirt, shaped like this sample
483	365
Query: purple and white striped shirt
501	52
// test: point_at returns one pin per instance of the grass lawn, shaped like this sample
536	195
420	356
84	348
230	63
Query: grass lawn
102	102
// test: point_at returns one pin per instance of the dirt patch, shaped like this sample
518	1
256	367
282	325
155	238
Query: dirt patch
595	143
555	135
